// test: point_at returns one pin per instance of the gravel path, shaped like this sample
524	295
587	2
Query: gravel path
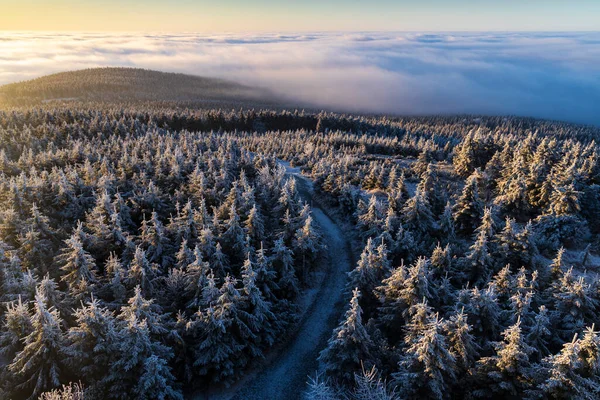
286	376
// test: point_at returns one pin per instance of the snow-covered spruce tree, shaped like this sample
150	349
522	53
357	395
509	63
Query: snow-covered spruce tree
261	320
196	274
507	374
254	225
116	274
306	244
234	238
139	368
350	347
91	342
372	267
282	259
265	275
404	289
184	255
72	391
461	341
223	335
446	222
476	267
141	273
538	334
38	367
427	368
143	310
154	240
573	372
468	209
575	304
517	247
78	266
417	215
16	327
483	311
370	221
405	246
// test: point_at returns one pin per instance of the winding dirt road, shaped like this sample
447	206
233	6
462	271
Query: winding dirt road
286	376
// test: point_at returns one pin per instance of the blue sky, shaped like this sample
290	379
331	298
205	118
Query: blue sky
295	15
546	75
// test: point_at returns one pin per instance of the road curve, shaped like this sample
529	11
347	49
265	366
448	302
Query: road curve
286	376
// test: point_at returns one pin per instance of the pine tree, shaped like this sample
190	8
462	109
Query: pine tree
143	310
156	381
564	200
141	272
370	269
17	325
483	312
538	334
446	223
78	266
92	341
117	275
573	373
139	368
369	221
350	347
223	335
155	241
508	373
427	368
417	215
461	342
196	275
478	263
283	262
184	256
234	236
307	243
261	318
468	209
254	225
403	290
38	367
574	302
265	275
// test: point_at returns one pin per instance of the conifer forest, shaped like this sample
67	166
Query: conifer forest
156	246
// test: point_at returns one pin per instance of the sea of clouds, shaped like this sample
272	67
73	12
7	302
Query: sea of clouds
546	75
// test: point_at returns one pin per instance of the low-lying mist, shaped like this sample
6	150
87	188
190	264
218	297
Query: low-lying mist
543	75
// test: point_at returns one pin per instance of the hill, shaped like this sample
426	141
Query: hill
130	84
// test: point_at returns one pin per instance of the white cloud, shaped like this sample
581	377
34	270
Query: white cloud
544	75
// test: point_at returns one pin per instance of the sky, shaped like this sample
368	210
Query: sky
545	75
299	15
537	58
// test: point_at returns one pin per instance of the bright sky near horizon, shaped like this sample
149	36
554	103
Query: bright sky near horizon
299	15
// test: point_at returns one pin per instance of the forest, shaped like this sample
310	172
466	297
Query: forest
157	249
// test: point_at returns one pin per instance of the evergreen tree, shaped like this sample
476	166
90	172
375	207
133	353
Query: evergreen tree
468	209
223	334
283	263
92	341
78	266
38	367
141	272
427	368
17	325
350	347
508	373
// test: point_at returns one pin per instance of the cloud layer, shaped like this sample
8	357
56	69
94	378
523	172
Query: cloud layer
543	75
